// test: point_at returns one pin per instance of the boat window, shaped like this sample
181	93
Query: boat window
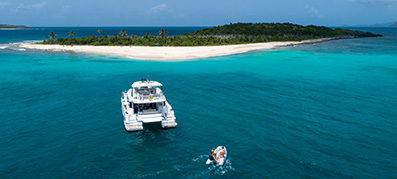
136	107
149	106
144	90
153	105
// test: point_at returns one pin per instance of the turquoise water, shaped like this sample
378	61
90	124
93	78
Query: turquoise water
326	110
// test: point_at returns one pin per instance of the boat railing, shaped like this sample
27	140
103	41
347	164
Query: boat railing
147	112
149	96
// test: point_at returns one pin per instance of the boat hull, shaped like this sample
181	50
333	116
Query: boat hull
136	123
131	127
145	103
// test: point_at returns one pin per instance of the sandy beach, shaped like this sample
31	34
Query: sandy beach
167	53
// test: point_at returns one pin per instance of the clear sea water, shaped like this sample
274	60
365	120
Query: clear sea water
325	110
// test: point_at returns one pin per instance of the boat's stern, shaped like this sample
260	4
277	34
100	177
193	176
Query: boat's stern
169	122
133	126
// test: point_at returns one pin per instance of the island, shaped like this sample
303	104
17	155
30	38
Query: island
388	24
9	27
216	41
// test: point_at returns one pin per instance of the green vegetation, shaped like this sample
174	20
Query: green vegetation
123	33
277	30
71	34
239	33
52	35
163	32
6	26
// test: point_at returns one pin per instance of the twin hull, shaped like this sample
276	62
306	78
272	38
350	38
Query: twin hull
135	121
146	103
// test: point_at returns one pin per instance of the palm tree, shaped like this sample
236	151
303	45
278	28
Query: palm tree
52	35
147	35
123	33
99	31
163	32
71	34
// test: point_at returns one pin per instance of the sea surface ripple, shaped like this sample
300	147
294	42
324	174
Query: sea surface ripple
325	110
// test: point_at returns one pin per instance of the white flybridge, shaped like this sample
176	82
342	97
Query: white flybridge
145	103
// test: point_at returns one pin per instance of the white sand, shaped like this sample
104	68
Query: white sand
166	53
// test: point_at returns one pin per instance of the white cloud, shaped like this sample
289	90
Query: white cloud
64	10
39	5
27	7
312	11
158	9
386	3
22	6
4	4
163	10
67	7
374	1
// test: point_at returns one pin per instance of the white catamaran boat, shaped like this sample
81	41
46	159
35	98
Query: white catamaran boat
145	103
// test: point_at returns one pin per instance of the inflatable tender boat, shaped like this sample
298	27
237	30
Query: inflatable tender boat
219	158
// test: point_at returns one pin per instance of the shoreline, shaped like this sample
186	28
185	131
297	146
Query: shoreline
12	28
178	53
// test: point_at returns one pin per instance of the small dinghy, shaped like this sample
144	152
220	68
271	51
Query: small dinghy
219	156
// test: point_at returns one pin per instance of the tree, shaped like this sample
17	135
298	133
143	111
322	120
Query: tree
100	32
147	35
71	34
239	33
163	32
123	33
52	35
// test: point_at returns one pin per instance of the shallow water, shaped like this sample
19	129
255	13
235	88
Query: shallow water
322	110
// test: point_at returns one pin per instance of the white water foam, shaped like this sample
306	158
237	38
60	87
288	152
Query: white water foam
3	47
215	169
15	45
199	158
221	170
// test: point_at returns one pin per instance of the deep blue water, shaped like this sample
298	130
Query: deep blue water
326	110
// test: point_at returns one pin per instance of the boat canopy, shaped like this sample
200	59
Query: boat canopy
146	83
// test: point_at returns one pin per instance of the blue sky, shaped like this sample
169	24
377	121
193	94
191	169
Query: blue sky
195	13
